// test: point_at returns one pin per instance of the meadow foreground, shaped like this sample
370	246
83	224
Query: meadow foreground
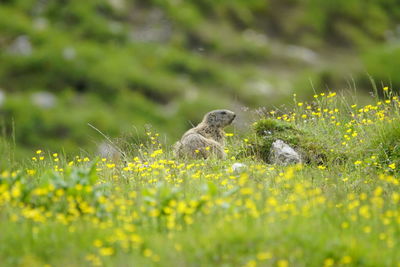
151	209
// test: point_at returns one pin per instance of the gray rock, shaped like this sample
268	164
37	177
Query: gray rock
69	53
152	27
237	166
255	37
260	87
106	150
2	97
302	53
40	23
283	154
44	99
118	4
21	46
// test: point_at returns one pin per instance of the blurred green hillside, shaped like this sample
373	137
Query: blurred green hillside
120	65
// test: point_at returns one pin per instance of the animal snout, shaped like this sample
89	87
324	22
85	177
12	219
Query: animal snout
233	117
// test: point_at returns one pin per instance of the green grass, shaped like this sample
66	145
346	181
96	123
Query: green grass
149	208
123	63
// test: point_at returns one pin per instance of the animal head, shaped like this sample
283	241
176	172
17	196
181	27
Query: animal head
219	118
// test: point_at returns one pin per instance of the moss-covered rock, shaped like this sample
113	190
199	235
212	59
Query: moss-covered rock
268	130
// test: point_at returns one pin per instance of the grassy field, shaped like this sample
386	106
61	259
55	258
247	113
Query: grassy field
147	208
119	64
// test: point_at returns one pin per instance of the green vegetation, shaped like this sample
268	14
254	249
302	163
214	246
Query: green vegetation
121	64
149	208
311	148
386	143
382	63
93	93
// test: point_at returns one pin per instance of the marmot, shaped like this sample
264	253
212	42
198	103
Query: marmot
207	138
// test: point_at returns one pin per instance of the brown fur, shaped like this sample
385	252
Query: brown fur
207	138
